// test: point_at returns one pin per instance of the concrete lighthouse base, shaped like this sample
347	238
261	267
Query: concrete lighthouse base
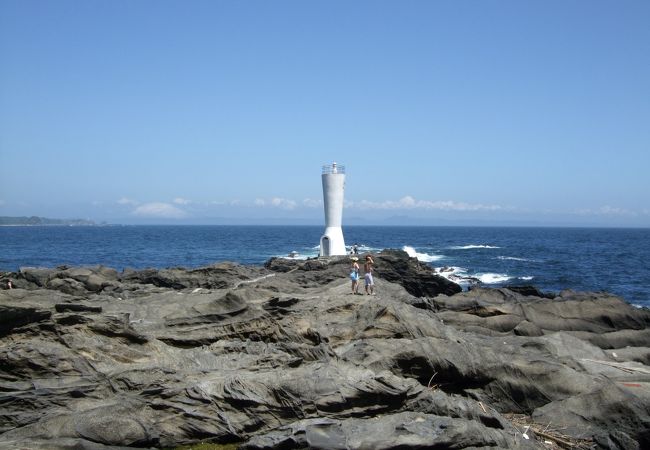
331	243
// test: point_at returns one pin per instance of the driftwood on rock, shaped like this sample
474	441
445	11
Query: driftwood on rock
284	356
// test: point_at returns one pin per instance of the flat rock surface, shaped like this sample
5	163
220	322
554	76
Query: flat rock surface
285	356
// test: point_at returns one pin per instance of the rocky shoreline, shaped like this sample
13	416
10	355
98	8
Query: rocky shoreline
283	356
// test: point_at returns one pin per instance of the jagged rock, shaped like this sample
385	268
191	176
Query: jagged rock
394	266
93	278
37	276
67	285
13	316
218	276
529	291
502	310
417	278
617	415
403	430
119	424
63	307
285	356
628	353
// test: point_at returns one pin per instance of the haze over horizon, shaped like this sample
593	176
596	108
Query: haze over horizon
444	113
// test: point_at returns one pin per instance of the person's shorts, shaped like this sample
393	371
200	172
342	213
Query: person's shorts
368	279
354	276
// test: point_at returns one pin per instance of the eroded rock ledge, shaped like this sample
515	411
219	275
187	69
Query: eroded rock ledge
283	356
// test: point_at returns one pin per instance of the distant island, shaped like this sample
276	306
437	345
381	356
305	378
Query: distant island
35	220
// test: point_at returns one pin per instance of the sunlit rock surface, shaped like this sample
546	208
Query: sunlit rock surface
284	356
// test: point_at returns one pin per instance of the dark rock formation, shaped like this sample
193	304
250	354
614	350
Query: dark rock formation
531	291
391	431
394	266
417	278
285	357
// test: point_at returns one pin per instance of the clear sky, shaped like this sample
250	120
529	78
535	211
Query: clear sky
443	112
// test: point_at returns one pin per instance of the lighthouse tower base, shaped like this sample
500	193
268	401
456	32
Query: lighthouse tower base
331	243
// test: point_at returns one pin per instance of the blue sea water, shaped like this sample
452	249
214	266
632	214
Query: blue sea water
586	259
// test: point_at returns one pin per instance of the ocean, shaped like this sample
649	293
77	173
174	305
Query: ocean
552	259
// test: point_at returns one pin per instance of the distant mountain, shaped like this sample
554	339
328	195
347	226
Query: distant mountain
34	220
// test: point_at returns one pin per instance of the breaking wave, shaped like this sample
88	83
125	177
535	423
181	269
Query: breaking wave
424	257
298	256
493	278
456	274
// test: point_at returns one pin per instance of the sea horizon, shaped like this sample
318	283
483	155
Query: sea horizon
354	225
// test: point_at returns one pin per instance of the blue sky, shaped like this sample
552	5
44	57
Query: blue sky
454	112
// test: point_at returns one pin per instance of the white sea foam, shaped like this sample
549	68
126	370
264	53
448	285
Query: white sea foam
492	278
297	257
513	258
424	257
362	248
456	274
302	254
460	276
526	278
450	269
472	246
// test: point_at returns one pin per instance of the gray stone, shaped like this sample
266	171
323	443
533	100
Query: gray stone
284	356
394	431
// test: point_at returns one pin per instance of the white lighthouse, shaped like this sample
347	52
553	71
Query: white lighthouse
331	243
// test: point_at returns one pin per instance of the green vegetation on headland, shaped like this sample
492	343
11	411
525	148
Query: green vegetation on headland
34	220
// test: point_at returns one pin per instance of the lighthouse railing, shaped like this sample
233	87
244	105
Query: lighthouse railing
333	168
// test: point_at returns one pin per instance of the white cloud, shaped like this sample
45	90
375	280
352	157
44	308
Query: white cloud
127	201
409	202
283	203
234	202
606	210
159	210
405	203
311	203
276	202
613	211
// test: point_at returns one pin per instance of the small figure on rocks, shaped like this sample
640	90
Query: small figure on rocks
355	249
367	268
9	284
354	274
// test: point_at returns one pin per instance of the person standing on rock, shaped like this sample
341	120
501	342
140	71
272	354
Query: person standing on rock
9	284
367	268
354	275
